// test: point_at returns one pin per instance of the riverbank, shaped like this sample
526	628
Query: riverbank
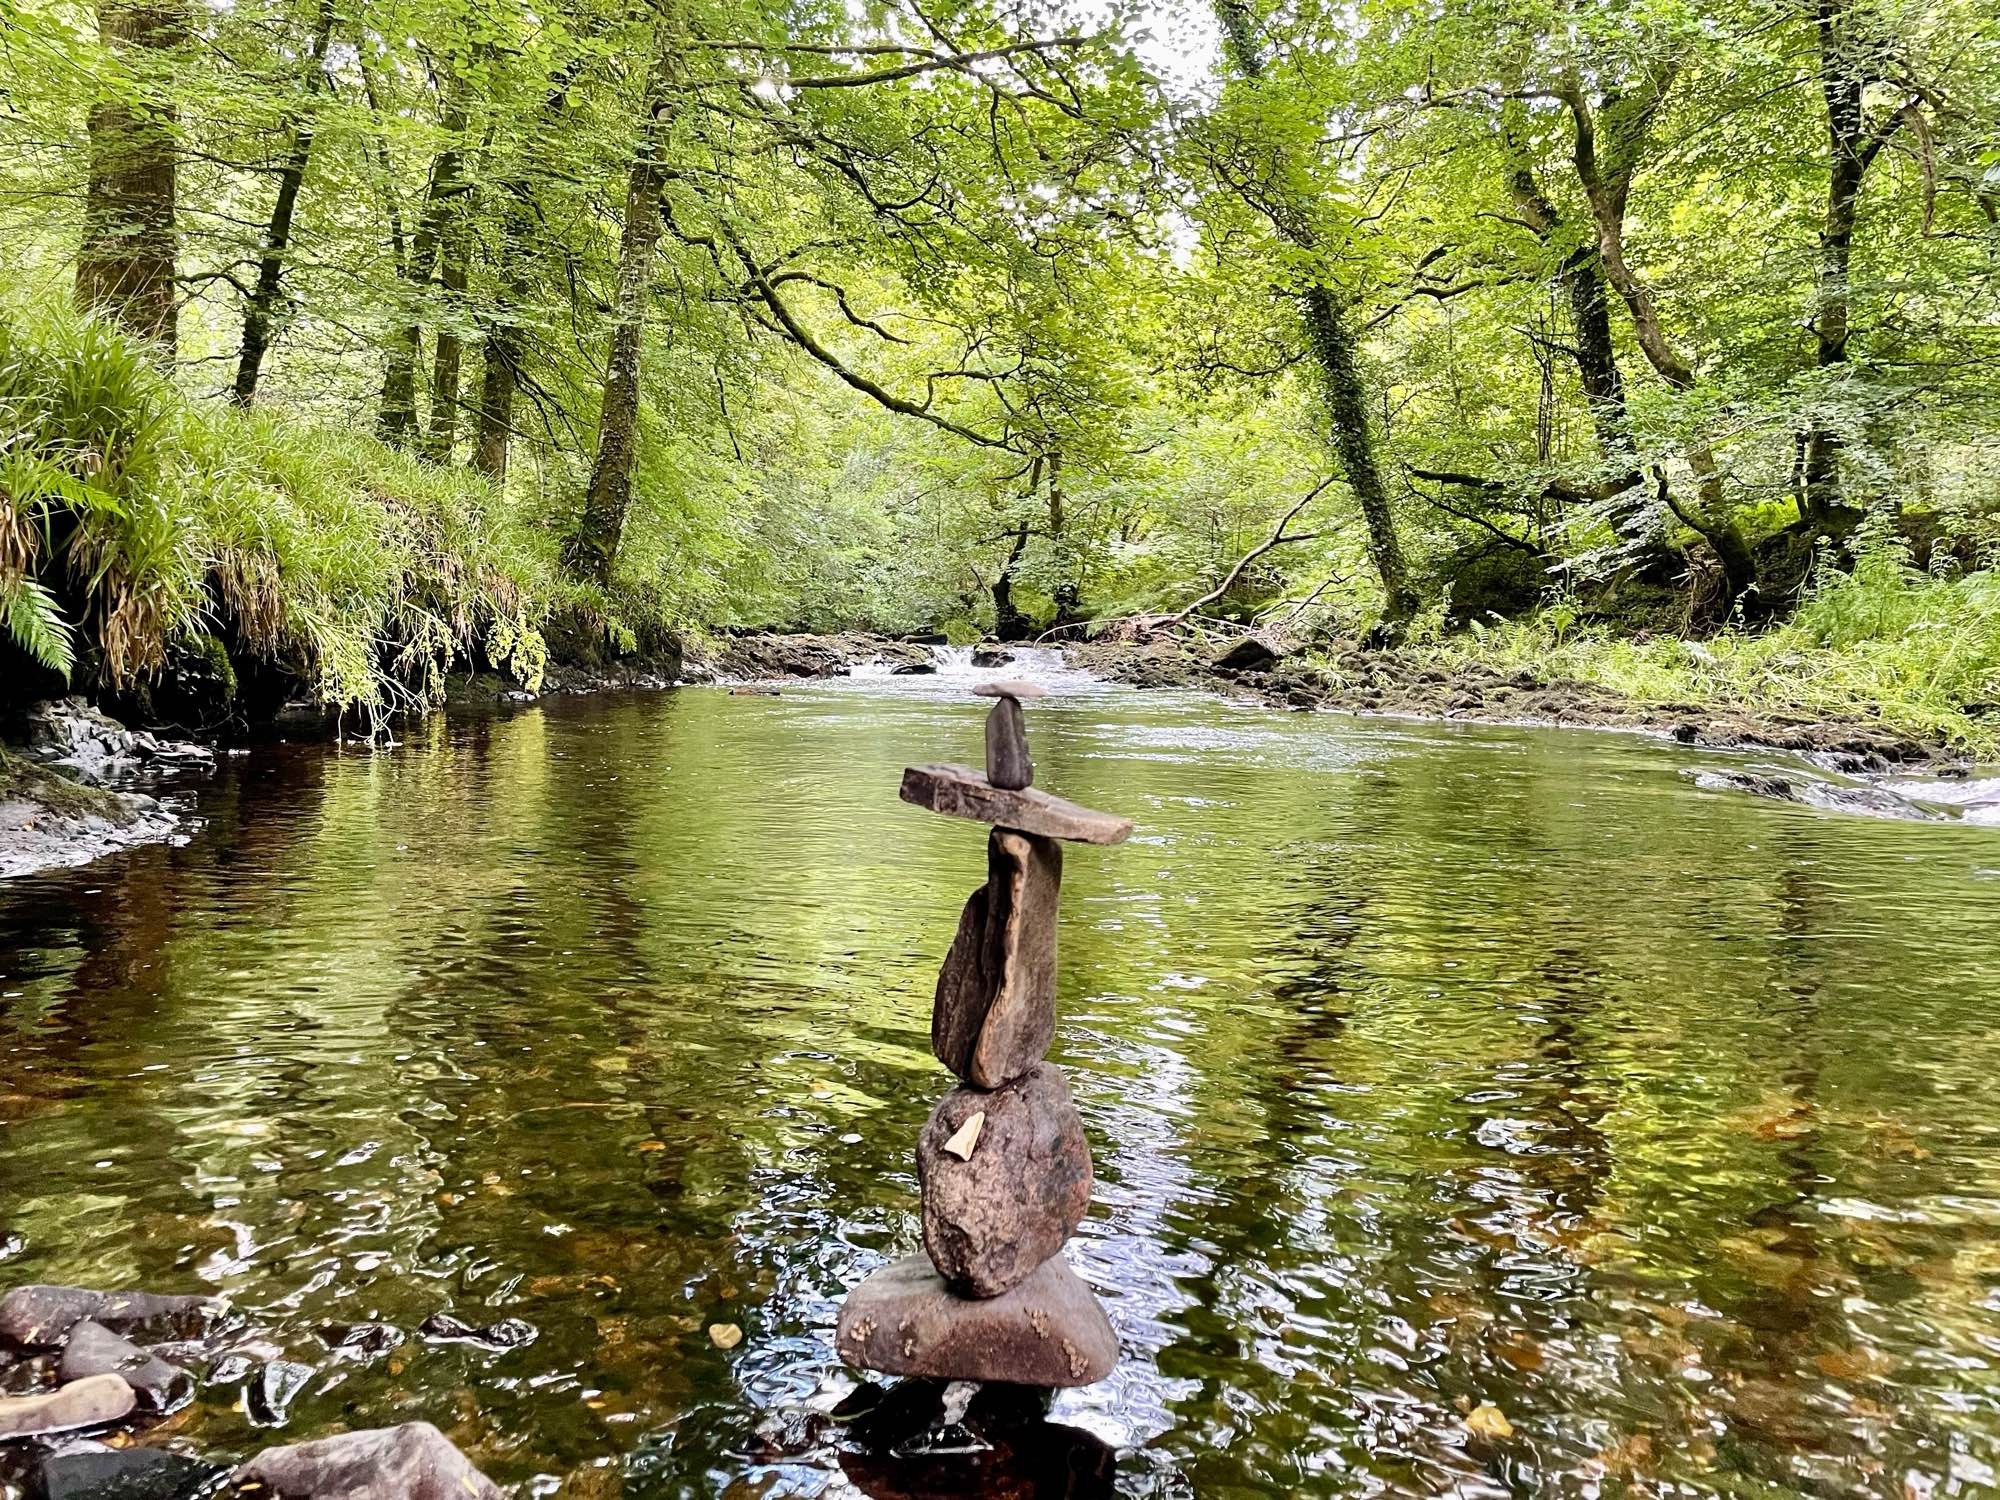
1443	684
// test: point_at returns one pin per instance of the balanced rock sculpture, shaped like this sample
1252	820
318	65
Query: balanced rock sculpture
1002	1162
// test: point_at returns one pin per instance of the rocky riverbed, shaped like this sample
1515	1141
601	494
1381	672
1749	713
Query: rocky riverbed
87	1376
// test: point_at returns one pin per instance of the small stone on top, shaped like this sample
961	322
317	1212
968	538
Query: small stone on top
1019	689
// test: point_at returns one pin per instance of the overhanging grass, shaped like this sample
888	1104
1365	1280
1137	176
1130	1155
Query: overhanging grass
1918	654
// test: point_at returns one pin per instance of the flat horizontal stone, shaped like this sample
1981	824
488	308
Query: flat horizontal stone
961	792
994	1013
40	1317
996	1213
1048	1331
96	1402
1019	689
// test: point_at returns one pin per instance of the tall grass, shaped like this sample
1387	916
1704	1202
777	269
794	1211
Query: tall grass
1885	641
134	524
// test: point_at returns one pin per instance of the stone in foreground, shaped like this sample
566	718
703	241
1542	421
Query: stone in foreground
994	1014
1008	764
96	1402
40	1317
961	792
411	1462
1047	1331
993	1217
126	1474
96	1350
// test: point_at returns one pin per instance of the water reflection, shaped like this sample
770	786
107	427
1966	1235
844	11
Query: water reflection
1429	1069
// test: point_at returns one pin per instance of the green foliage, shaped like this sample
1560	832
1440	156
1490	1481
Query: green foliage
1921	653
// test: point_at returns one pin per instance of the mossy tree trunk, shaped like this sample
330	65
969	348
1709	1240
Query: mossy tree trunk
592	549
126	264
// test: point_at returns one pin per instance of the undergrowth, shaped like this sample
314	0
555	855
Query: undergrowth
137	525
1885	641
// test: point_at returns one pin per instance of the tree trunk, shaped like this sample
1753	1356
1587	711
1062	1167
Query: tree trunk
1596	355
1851	148
442	438
592	549
499	378
1336	356
500	373
260	313
1009	624
1346	396
126	262
398	421
1606	179
502	347
1068	592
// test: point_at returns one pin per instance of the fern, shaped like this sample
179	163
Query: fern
36	624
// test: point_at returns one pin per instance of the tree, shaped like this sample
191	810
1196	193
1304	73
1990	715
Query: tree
127	261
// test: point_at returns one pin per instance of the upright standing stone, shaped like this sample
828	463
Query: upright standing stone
995	1010
1008	763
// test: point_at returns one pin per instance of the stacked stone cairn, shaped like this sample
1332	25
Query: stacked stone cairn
1002	1162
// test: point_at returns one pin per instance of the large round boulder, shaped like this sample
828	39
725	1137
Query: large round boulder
1001	1197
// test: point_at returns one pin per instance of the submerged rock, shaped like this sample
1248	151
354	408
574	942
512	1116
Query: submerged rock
508	1333
927	1440
994	1013
96	1350
411	1462
94	1402
1048	1331
268	1398
125	1474
992	1217
362	1340
40	1317
961	792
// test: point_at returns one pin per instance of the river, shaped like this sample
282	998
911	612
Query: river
1427	1067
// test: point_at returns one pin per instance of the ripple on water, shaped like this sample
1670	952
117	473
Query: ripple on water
1428	1069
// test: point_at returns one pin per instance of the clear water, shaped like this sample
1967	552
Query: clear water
1427	1068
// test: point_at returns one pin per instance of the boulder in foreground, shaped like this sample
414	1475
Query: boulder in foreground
1048	1331
96	1350
411	1462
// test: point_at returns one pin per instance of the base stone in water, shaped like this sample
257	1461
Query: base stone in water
1048	1331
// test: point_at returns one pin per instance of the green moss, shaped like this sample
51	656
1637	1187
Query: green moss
24	780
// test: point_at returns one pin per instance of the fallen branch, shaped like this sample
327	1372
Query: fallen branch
1277	538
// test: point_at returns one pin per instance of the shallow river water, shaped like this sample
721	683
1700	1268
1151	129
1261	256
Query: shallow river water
1428	1068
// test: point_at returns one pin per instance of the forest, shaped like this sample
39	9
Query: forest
348	345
